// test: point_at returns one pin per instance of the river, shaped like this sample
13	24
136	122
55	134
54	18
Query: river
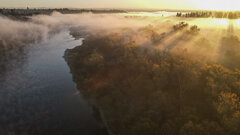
38	96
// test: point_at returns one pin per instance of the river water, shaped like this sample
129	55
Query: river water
38	96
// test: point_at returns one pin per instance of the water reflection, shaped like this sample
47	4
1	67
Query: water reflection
10	59
38	98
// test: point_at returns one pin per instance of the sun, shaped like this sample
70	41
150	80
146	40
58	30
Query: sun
220	5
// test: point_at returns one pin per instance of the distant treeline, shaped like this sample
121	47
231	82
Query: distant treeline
230	15
30	12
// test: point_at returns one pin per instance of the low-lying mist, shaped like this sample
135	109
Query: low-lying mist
170	76
147	74
201	37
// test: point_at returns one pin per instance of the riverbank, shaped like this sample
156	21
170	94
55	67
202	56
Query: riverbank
143	90
37	95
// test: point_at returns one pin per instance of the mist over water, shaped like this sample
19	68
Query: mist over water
38	97
36	88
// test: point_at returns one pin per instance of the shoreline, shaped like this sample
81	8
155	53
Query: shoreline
99	112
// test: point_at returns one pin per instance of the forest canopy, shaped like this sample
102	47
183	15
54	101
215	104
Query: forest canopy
146	89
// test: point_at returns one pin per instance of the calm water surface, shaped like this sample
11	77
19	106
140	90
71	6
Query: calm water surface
38	96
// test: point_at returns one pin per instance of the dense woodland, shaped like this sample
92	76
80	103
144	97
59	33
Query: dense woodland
216	14
143	90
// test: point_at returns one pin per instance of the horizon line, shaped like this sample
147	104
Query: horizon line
114	8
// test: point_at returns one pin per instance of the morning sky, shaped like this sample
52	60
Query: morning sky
156	4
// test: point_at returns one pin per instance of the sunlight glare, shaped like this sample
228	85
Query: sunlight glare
220	5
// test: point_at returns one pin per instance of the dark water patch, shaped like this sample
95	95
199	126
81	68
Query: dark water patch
38	96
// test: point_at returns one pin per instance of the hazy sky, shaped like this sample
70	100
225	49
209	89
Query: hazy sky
159	4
